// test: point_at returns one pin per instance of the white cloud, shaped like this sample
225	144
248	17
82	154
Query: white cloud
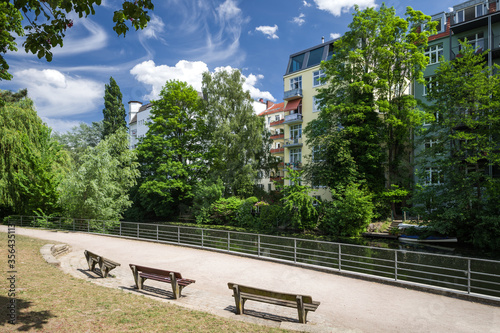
155	28
74	44
335	35
269	31
228	10
149	73
60	125
337	7
299	19
306	4
56	94
155	76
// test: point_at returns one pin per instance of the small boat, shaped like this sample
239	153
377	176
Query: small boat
430	239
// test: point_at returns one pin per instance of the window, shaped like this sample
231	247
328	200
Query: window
261	186
296	83
268	120
295	155
429	143
470	13
439	26
269	187
296	131
317	76
315	56
330	52
277	117
428	85
315	104
317	201
434	53
435	119
433	176
296	63
476	40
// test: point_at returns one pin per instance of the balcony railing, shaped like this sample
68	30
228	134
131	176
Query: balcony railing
277	136
293	118
278	122
292	94
479	45
293	142
280	150
294	165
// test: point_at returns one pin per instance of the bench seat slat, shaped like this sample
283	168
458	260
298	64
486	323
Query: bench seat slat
308	306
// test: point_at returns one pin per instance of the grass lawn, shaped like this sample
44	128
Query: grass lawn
49	300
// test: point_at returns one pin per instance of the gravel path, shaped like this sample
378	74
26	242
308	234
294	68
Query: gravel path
347	304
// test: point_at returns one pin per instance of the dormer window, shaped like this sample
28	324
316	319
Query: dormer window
470	13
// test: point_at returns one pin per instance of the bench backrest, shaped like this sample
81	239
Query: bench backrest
269	293
91	254
156	271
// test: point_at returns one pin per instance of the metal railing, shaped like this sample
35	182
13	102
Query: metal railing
460	275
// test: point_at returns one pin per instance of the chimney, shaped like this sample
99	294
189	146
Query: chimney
261	100
269	104
133	108
322	40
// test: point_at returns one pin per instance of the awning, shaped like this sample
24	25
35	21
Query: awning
293	105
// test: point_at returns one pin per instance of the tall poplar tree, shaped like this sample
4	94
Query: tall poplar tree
114	111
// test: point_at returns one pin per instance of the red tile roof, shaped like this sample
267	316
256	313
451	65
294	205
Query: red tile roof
273	109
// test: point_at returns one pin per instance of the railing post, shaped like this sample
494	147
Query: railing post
73	224
60	223
228	241
468	276
34	222
120	228
295	251
88	225
202	238
103	227
395	265
21	220
137	230
157	233
340	258
178	235
258	245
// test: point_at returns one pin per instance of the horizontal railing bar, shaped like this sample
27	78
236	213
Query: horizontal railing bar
433	267
362	257
435	281
431	273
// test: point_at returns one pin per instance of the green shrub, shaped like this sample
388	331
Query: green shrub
224	211
349	213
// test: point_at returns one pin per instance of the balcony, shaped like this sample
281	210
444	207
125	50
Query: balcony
297	142
276	179
293	118
294	165
473	23
280	150
293	94
480	45
277	136
276	123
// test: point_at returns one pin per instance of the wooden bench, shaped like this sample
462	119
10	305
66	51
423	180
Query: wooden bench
301	302
142	273
105	265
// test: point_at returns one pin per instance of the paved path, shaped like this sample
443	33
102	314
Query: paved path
347	304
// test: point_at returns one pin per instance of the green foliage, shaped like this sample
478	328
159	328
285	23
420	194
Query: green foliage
224	211
270	217
114	111
349	213
205	194
80	137
98	187
366	115
298	205
239	144
31	163
173	155
48	22
460	198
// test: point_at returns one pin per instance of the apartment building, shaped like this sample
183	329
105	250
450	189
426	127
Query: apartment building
478	21
138	117
301	82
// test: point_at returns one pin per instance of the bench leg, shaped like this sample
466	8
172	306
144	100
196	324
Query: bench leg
176	289
104	270
239	302
137	279
301	310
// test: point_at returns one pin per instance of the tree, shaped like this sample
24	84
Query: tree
114	111
363	131
298	205
238	145
32	164
464	153
98	187
47	23
173	153
80	137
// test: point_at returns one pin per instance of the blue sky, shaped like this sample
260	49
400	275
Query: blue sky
184	39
